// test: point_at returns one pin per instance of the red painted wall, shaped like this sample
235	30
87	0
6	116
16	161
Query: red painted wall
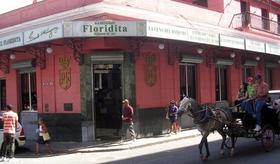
71	95
166	87
276	78
234	81
48	88
206	83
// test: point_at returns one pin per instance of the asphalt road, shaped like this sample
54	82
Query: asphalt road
182	152
177	152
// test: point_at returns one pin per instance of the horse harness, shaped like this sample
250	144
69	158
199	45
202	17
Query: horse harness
207	113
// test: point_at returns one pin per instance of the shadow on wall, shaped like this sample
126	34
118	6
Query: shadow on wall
29	121
152	121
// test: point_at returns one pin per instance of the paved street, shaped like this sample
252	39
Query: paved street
179	151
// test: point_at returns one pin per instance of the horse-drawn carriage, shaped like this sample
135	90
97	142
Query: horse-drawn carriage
243	124
231	124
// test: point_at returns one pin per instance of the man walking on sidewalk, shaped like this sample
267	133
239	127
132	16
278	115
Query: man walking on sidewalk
127	119
10	119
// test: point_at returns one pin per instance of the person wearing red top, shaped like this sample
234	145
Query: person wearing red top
261	97
10	119
127	119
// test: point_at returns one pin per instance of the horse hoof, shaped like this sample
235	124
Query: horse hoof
222	152
232	152
205	159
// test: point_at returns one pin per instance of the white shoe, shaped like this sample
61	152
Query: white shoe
2	159
258	128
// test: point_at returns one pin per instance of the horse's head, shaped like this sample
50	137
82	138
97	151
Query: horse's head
185	104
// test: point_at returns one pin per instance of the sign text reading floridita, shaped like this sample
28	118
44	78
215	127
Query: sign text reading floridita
102	28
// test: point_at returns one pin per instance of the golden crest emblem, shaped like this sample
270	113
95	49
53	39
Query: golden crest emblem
64	72
150	70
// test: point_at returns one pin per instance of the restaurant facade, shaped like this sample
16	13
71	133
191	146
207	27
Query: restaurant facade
73	63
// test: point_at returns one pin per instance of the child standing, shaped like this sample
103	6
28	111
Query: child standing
41	131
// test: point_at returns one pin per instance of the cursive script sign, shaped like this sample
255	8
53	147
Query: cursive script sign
43	34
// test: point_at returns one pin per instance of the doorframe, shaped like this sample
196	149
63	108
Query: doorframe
105	58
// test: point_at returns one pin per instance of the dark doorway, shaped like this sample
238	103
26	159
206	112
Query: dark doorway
188	81
107	81
28	91
3	96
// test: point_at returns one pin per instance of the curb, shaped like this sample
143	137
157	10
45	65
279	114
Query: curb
115	146
163	141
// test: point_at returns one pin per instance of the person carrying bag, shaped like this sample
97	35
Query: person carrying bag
43	137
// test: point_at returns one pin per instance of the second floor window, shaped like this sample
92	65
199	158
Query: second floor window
245	10
203	3
265	19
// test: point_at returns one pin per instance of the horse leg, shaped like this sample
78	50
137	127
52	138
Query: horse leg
207	150
233	145
222	151
204	141
200	147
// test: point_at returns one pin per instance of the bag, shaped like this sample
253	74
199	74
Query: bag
46	136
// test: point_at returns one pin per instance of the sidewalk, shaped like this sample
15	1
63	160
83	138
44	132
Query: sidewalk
99	146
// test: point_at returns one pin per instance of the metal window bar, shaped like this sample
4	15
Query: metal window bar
242	20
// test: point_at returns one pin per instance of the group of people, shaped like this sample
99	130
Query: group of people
252	98
10	125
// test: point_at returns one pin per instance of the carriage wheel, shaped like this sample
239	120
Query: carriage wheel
228	142
268	137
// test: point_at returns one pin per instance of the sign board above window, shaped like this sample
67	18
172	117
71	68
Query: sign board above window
11	41
45	33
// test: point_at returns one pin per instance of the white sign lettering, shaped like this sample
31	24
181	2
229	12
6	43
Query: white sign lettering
11	41
43	34
272	49
206	37
254	45
166	31
232	42
103	28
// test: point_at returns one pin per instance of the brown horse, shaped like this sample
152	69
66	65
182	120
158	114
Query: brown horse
207	121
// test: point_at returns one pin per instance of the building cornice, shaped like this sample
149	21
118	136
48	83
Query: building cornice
136	13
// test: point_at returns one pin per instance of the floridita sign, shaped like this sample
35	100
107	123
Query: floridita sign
103	28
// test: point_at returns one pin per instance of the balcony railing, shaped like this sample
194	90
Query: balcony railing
246	19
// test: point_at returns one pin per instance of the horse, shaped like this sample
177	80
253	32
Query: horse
207	121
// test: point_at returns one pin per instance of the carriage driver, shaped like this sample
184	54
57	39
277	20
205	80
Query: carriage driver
261	98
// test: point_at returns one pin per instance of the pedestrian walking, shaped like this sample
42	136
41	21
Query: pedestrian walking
43	137
127	120
10	121
172	115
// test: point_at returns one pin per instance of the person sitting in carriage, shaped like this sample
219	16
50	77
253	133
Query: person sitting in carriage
247	103
241	95
261	99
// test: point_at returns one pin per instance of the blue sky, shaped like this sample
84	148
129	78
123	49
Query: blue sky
8	5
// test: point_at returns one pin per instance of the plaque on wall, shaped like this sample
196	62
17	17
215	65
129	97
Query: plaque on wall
68	107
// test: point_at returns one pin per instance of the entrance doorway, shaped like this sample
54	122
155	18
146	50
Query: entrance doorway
28	91
188	81
107	85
